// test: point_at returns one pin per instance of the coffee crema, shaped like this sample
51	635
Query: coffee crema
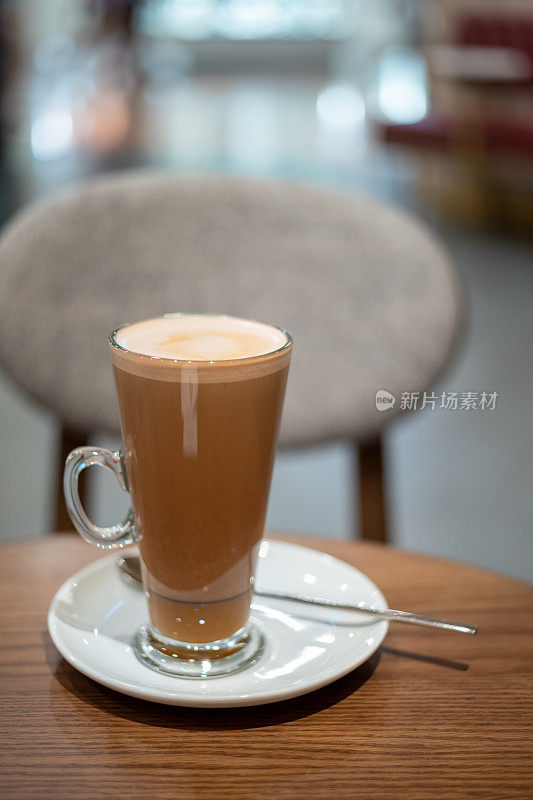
201	399
202	337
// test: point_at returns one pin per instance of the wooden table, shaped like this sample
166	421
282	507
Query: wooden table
431	715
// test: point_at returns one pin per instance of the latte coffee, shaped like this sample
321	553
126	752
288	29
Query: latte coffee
200	399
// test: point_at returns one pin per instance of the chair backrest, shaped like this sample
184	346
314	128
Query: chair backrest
369	295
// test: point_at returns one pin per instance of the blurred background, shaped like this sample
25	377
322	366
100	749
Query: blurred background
427	104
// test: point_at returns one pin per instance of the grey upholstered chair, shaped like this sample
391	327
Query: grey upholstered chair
369	295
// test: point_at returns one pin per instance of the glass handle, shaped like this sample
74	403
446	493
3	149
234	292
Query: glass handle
118	535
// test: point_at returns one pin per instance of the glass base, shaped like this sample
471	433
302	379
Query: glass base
202	660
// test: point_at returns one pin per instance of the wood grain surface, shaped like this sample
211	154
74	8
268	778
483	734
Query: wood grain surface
431	715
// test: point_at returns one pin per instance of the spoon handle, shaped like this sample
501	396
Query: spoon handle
388	613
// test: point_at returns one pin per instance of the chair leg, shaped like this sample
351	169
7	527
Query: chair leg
371	491
70	439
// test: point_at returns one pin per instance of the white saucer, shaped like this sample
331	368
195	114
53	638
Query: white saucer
95	614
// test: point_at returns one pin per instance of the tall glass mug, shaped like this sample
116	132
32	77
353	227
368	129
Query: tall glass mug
200	401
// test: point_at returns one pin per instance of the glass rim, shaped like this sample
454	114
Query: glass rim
112	341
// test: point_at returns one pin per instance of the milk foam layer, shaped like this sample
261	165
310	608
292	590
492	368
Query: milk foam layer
190	337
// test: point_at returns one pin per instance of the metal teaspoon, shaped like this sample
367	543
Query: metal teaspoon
130	566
